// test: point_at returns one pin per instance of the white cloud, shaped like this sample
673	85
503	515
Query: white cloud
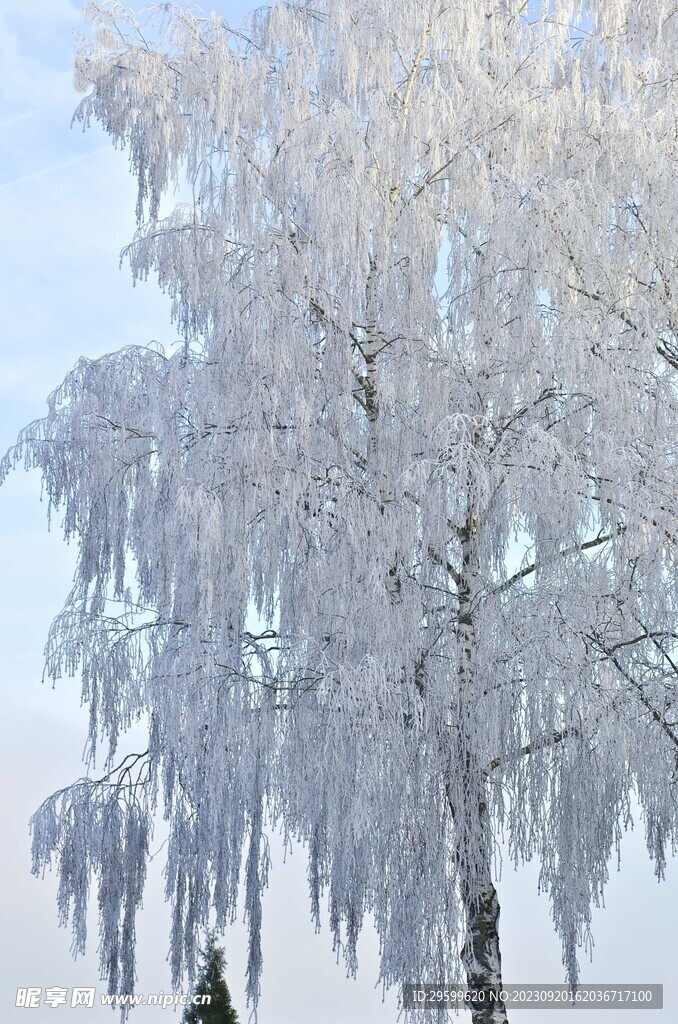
36	67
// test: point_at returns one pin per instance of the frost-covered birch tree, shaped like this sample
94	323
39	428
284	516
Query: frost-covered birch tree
423	420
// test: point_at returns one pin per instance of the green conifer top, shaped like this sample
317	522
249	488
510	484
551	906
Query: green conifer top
211	982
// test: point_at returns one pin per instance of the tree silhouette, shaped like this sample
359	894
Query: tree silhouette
211	982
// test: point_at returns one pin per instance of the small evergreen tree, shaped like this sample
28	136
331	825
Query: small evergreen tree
211	982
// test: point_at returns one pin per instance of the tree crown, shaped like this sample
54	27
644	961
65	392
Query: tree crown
423	420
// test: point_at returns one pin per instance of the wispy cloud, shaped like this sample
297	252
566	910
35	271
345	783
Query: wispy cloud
17	117
46	171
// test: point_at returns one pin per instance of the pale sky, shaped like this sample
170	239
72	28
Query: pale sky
66	211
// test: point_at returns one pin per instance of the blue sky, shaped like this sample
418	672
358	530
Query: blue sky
66	210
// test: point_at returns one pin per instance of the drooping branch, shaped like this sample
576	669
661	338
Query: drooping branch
542	743
588	545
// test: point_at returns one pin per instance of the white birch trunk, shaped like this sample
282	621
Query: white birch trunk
481	954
